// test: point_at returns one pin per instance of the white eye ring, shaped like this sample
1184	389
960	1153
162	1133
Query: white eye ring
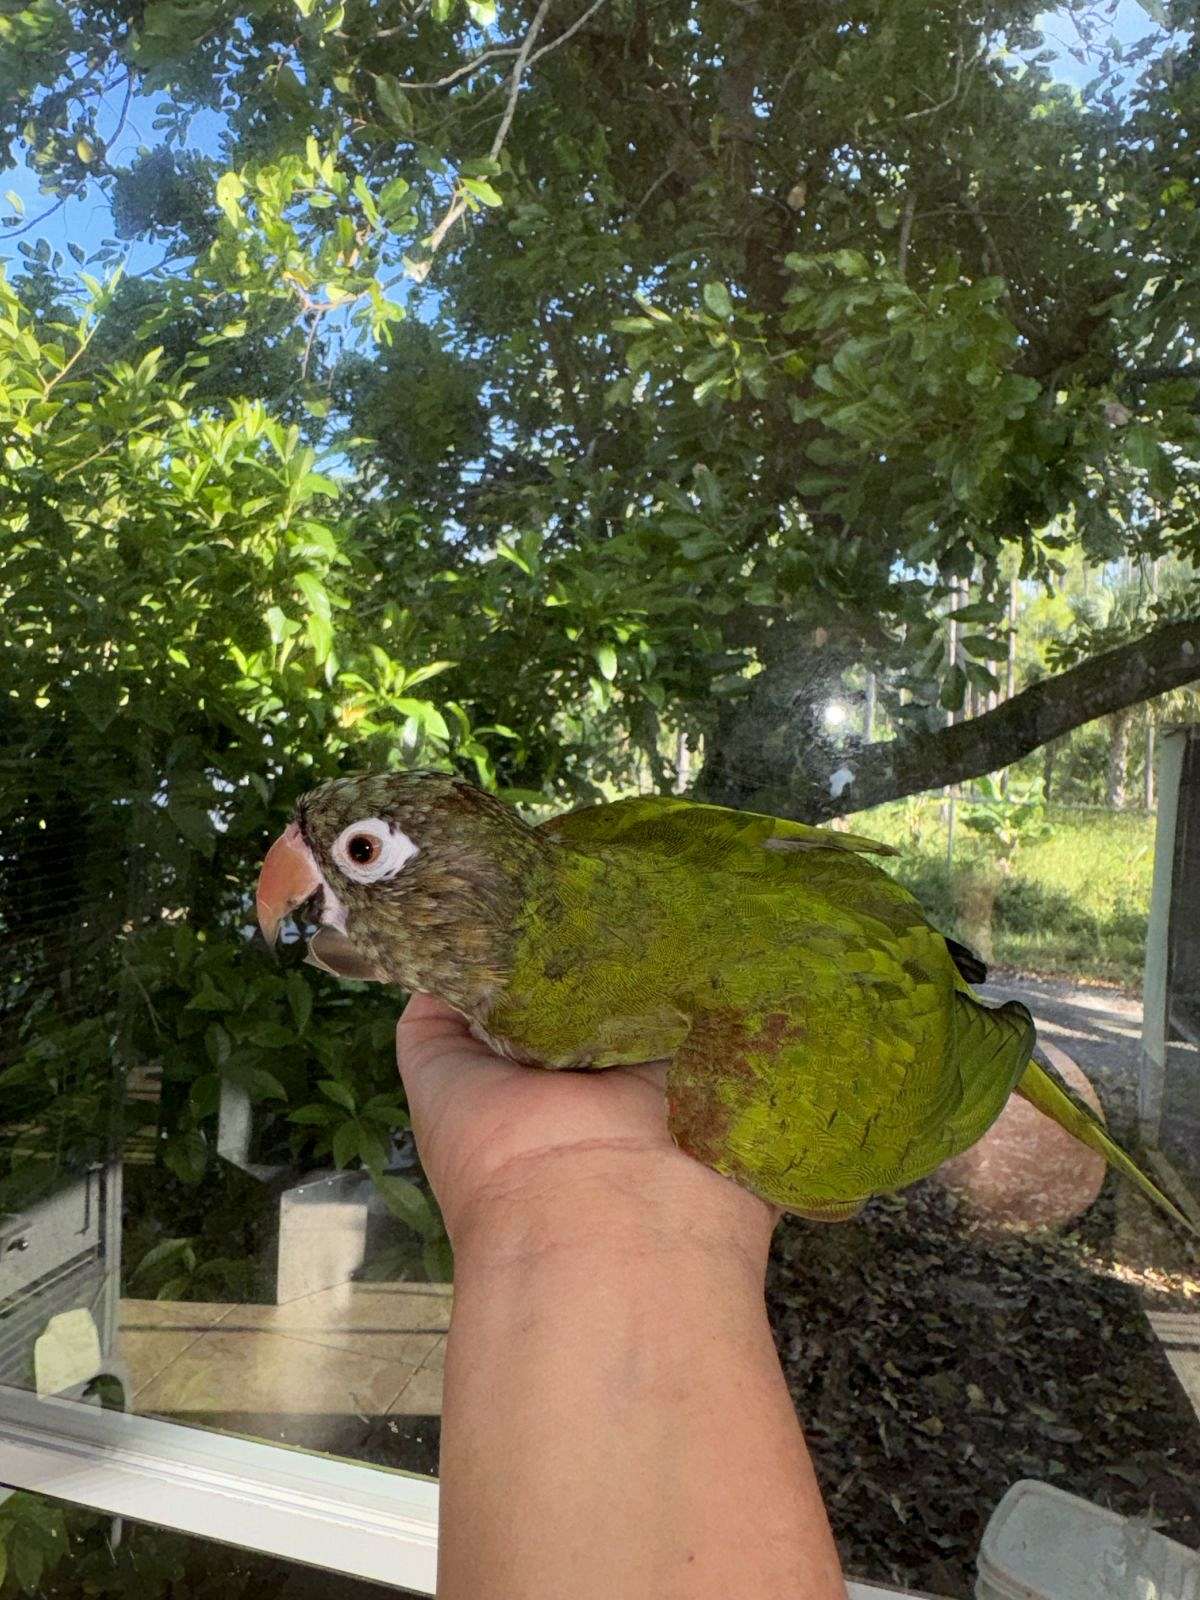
352	850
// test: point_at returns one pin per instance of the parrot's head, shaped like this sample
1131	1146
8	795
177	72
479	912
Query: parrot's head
415	878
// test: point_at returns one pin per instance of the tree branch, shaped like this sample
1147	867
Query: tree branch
459	204
829	782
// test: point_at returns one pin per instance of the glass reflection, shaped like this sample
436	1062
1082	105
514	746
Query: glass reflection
203	1153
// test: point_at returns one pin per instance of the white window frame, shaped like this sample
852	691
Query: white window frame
376	1523
368	1522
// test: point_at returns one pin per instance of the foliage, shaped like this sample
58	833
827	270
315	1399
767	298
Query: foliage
177	659
146	1564
1076	902
772	357
33	1541
1006	821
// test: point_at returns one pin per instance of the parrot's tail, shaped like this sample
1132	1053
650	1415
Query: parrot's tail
1038	1087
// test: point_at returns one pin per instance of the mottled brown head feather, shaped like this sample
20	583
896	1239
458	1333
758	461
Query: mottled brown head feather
447	921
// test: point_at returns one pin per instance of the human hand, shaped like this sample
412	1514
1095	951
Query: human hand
500	1141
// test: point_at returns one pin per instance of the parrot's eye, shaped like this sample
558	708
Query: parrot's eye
372	849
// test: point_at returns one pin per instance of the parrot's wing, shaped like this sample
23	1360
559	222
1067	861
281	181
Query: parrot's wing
716	837
676	827
816	1106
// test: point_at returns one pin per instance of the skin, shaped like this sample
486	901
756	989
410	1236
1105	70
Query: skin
615	1420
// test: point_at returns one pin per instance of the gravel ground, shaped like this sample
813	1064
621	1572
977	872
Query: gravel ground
932	1365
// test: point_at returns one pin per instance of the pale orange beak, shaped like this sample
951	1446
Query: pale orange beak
289	875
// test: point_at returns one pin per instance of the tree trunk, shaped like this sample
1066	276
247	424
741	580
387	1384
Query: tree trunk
682	764
869	709
1148	793
772	755
1048	757
1118	756
1010	676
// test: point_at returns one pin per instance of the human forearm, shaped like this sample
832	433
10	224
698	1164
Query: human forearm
609	1352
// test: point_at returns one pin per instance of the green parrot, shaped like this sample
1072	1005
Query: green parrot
824	1041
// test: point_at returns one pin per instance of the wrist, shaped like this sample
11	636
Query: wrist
607	1200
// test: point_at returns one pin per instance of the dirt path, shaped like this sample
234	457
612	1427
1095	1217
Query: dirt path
1099	1027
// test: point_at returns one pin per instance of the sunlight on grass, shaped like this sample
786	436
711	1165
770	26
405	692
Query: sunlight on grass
1076	902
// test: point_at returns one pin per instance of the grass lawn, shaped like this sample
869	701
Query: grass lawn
1075	903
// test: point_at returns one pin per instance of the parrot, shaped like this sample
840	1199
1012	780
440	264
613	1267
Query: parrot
825	1044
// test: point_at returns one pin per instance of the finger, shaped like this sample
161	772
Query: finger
433	1046
429	1028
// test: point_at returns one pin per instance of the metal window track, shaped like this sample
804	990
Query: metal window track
367	1522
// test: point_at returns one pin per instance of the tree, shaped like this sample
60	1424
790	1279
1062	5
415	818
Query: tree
177	660
755	330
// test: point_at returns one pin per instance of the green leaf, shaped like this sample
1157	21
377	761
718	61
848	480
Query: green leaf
338	1093
481	190
270	1035
216	1044
851	263
194	823
606	660
408	1204
373	1146
320	636
393	102
716	298
313	590
262	1085
186	1154
277	624
979	611
1141	446
483	12
986	649
300	999
954	690
345	1144
438	1259
1156	10
205	1094
392	195
315	1116
430	670
27	1563
167	1250
230	190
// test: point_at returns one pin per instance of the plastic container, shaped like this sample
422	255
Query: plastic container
1045	1544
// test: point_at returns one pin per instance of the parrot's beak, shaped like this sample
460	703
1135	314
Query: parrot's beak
289	876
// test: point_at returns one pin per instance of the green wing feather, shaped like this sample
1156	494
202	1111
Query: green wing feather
673	826
834	1049
1039	1087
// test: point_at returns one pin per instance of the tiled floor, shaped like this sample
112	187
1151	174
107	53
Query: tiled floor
323	1372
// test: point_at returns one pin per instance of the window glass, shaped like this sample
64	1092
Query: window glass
787	407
